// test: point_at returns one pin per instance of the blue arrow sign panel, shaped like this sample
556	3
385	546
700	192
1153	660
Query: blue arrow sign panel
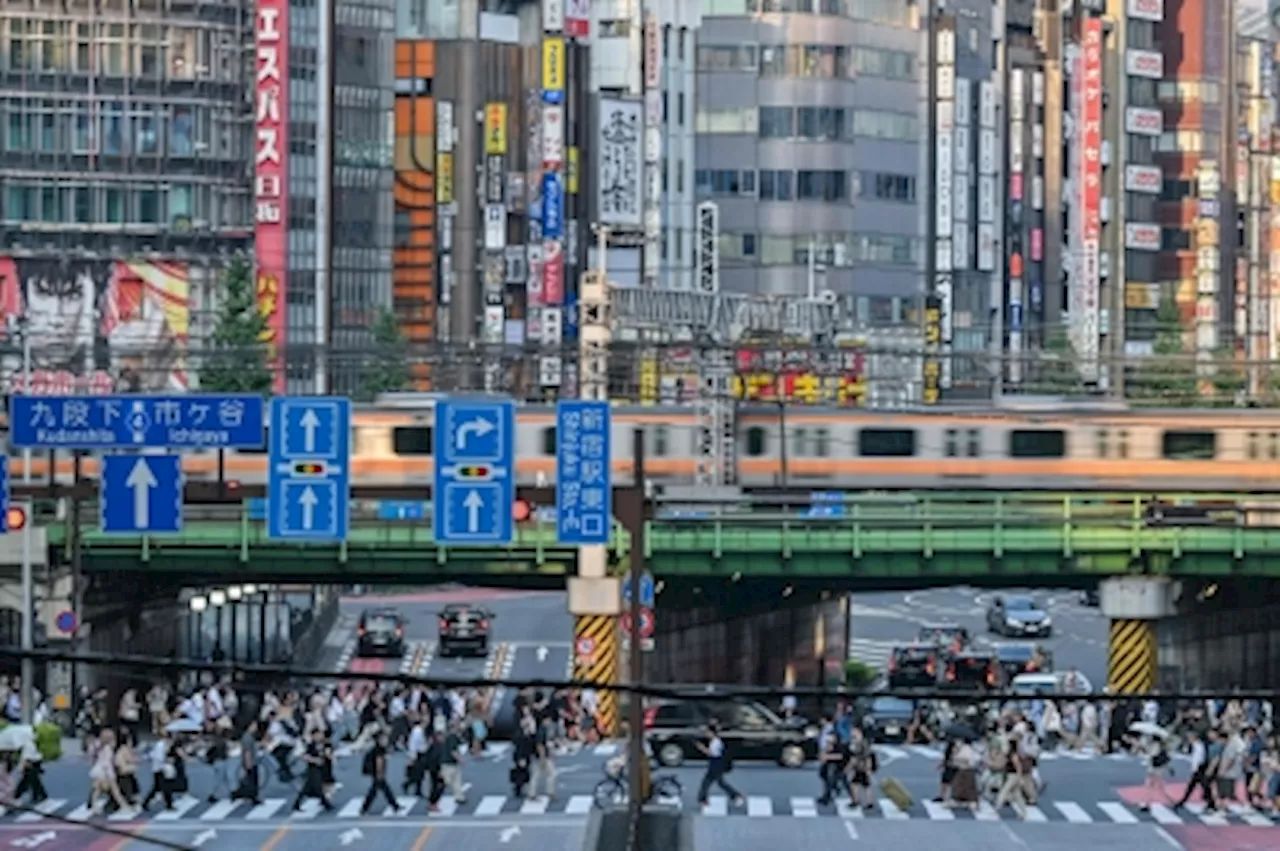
141	494
309	488
213	421
648	592
474	472
584	486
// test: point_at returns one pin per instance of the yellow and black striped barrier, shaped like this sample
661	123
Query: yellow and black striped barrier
595	659
1131	667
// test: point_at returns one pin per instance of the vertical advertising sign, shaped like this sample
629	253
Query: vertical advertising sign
1090	198
271	175
577	18
945	110
550	286
1208	257
652	151
1017	114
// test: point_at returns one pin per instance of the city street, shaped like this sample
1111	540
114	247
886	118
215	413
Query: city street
881	621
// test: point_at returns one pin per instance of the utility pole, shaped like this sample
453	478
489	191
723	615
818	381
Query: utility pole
26	692
636	519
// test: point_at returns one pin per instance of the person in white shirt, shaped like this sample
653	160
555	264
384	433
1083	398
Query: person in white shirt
718	765
1201	774
30	768
415	769
158	757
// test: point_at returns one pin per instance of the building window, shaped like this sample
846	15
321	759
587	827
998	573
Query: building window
878	124
888	187
737	246
822	124
777	186
822	185
889	64
885	248
19	203
726	121
777	122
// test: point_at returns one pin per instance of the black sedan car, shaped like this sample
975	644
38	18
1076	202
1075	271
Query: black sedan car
464	630
381	633
886	719
751	732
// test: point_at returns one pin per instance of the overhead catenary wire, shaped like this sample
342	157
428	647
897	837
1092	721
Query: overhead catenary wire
695	692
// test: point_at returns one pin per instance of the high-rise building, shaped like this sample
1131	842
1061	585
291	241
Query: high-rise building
811	130
123	181
325	254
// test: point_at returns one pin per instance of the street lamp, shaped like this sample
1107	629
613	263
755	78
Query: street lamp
195	625
235	593
218	597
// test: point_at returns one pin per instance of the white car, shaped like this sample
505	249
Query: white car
1030	685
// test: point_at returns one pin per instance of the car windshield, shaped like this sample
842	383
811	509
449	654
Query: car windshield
380	623
1015	653
913	655
1020	604
1030	689
939	633
891	706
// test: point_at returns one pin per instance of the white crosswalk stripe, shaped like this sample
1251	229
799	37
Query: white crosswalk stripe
872	652
348	810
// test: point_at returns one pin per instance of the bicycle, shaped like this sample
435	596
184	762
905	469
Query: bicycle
613	790
268	767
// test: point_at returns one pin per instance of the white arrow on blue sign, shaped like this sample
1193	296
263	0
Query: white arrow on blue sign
474	472
141	494
648	592
309	489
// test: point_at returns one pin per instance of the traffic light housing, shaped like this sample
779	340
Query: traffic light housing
521	510
16	518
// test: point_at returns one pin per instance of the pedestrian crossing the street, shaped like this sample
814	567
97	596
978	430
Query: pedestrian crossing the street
193	810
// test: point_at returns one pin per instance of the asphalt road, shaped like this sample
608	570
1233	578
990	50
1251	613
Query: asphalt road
880	621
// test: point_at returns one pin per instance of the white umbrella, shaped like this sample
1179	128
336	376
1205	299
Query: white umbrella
16	737
182	725
1146	728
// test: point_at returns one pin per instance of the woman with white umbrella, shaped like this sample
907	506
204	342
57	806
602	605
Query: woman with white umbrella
1152	745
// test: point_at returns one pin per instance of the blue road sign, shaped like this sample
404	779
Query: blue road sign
648	593
141	494
309	489
584	483
475	472
213	421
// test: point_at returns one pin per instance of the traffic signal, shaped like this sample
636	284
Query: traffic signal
521	510
16	518
309	468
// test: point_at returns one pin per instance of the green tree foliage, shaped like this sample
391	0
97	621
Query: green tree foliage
1230	377
237	358
387	368
1168	377
1058	374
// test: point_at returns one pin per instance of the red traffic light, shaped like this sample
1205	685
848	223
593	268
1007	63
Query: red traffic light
521	510
473	471
16	518
309	469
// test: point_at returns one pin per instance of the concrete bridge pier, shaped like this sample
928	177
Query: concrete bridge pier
1134	605
595	601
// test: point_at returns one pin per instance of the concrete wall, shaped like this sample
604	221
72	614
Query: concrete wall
764	642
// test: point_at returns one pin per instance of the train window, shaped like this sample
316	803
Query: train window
411	440
1037	443
821	442
661	441
1122	443
1251	445
549	441
1273	445
799	442
756	441
1189	445
886	443
1103	445
973	442
1259	445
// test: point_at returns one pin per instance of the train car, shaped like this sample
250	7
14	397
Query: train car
1053	449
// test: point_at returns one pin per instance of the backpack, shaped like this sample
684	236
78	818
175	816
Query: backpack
370	762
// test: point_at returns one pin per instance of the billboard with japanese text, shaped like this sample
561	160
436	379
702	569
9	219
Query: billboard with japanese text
271	173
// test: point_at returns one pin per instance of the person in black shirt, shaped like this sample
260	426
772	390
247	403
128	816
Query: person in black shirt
376	768
318	768
433	761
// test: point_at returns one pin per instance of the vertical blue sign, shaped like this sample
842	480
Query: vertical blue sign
552	206
584	479
4	496
309	484
474	472
141	494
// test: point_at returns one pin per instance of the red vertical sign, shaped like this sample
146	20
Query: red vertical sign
1091	131
271	174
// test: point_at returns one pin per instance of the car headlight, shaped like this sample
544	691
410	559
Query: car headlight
1048	621
811	732
1012	622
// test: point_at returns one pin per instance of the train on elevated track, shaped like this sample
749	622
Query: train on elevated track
1051	448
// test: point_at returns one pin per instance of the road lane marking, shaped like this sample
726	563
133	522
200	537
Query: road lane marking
851	830
1117	812
275	839
421	841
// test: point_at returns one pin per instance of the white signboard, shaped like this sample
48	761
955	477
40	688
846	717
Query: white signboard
619	150
964	150
961	240
986	247
495	227
964	102
1146	10
1144	63
960	197
1143	178
444	126
1141	236
986	198
986	151
1143	122
987	105
552	15
943	183
552	136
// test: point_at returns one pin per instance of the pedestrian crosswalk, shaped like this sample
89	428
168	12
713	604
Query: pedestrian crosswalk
189	809
893	753
873	652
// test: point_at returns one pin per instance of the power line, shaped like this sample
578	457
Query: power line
694	692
